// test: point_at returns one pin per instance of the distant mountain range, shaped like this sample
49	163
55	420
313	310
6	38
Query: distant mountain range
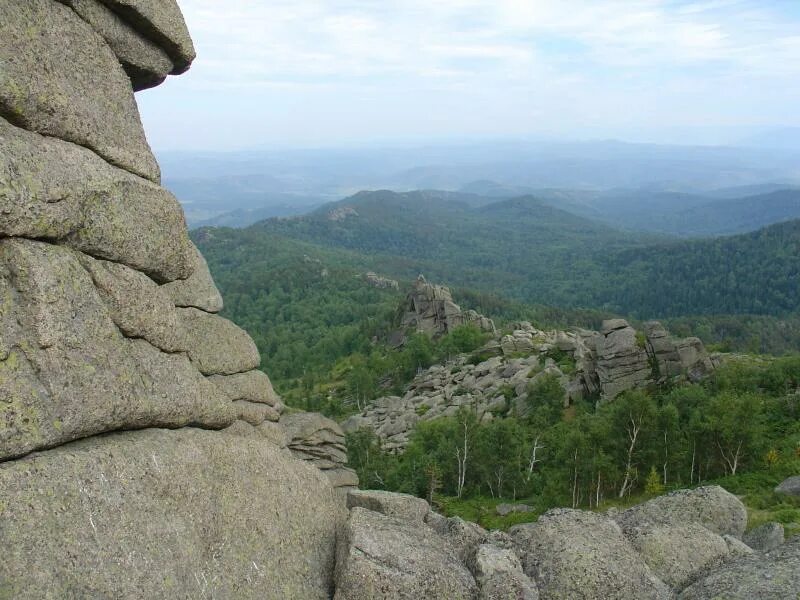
251	185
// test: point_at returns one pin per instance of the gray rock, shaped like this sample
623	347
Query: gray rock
146	64
198	291
429	308
253	386
312	427
736	547
61	192
217	346
61	79
790	486
437	522
319	440
765	537
254	413
135	303
341	478
694	359
579	554
166	514
162	22
402	506
464	537
773	576
621	364
387	557
711	506
507	509
677	554
67	370
499	575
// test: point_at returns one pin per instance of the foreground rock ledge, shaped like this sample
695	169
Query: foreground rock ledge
166	514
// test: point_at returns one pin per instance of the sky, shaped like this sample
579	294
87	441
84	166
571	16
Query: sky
329	73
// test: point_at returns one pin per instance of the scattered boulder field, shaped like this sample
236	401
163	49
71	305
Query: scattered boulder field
684	545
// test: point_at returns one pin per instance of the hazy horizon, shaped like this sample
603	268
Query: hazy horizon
357	74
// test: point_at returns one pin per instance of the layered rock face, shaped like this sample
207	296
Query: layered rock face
108	325
320	441
590	364
430	309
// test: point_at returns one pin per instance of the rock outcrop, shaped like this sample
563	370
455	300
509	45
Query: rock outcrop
790	486
380	282
429	309
140	454
389	551
320	441
774	575
579	554
765	537
591	364
387	557
166	514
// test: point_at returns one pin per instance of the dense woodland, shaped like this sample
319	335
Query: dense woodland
525	249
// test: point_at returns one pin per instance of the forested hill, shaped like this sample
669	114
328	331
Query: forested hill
757	273
522	248
526	249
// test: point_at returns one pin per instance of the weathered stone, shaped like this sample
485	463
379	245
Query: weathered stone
694	359
621	363
765	537
67	372
677	554
499	575
198	291
430	309
315	438
166	514
403	506
254	386
135	303
790	486
61	192
774	576
254	413
464	537
61	79
305	425
736	547
342	477
579	554
663	351
437	522
162	22
391	558
146	64
711	506
507	509
217	346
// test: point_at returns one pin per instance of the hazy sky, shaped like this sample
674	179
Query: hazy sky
334	72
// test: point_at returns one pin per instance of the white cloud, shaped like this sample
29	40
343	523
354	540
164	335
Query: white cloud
565	61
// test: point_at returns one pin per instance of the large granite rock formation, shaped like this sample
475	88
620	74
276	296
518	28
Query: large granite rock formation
429	308
108	335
